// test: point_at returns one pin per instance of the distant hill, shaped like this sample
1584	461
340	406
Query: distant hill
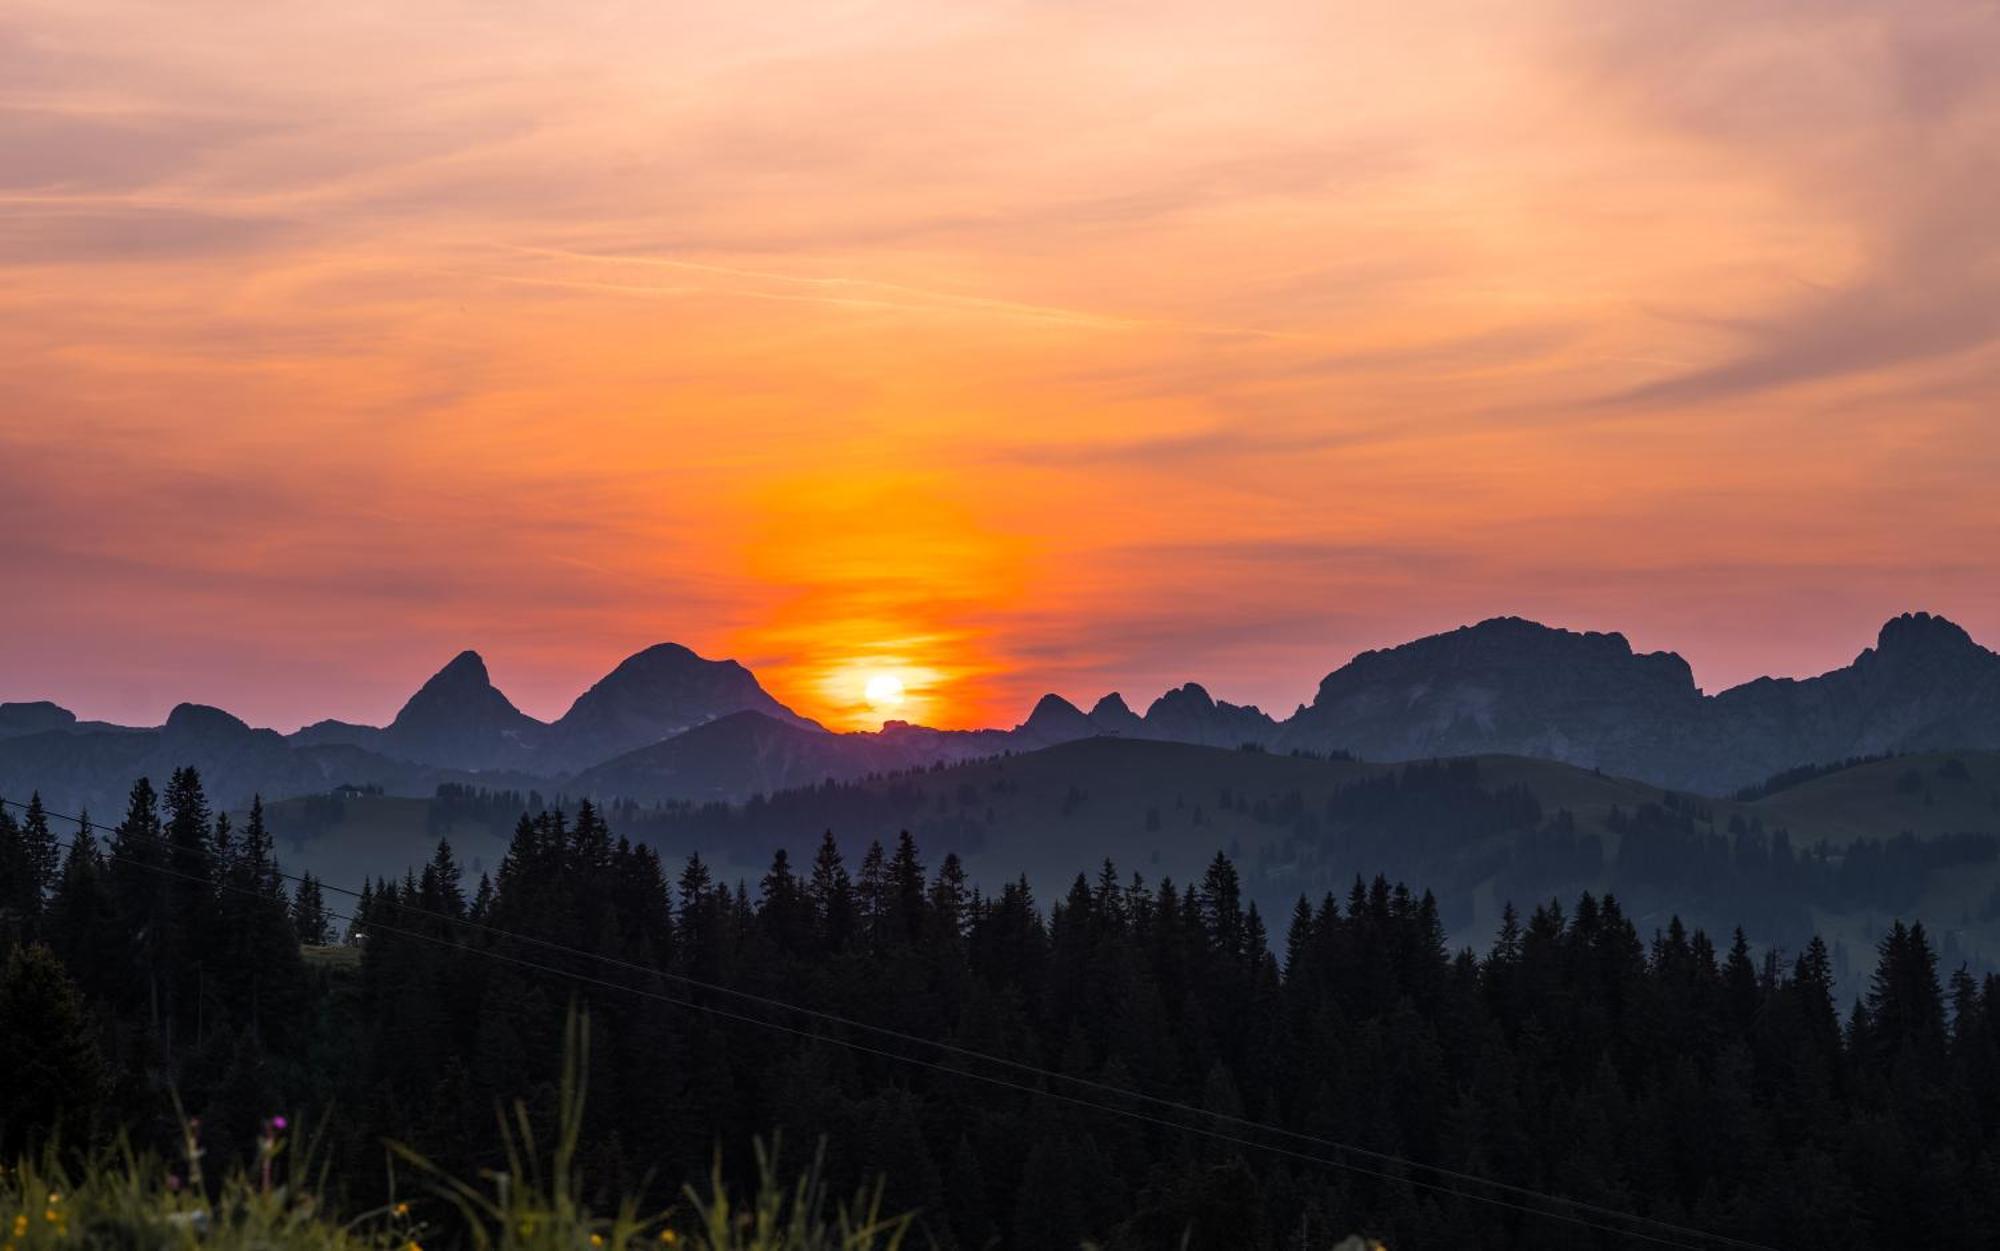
93	768
1826	855
729	758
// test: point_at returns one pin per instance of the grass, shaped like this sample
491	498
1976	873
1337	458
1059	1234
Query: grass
1875	801
135	1202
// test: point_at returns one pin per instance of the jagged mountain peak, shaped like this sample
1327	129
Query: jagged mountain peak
1113	716
468	666
1054	705
1189	714
462	688
1055	718
1923	634
1186	695
459	719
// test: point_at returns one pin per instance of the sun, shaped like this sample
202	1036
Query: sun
884	692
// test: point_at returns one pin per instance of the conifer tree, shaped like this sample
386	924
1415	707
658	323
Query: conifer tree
871	896
309	917
54	1074
80	924
44	856
832	895
20	900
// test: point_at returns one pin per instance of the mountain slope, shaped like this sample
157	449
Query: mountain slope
729	758
1188	714
1924	686
653	695
1513	686
460	720
1504	686
94	769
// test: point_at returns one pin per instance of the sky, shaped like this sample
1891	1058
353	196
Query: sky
1001	347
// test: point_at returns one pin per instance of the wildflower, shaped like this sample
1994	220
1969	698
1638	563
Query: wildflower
401	1209
597	1240
412	1245
54	1197
669	1238
279	1122
21	1225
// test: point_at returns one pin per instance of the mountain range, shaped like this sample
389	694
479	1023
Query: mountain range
667	724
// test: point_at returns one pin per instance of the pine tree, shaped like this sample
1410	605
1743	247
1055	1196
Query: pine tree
80	923
190	861
871	896
20	899
309	917
44	856
784	914
1222	907
1905	1004
54	1075
142	898
832	895
257	856
951	901
906	892
441	889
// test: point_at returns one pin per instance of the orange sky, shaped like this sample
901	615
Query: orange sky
1012	347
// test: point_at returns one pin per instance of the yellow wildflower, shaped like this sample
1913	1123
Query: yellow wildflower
20	1224
669	1237
412	1245
402	1209
597	1240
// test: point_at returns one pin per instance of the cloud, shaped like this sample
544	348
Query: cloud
60	233
1882	116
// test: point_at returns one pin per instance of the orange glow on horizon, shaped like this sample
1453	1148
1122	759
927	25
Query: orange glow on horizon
1224	345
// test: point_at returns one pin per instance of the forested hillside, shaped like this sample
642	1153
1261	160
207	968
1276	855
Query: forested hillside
1839	852
1318	1069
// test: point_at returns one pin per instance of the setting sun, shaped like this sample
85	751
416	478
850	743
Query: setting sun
884	692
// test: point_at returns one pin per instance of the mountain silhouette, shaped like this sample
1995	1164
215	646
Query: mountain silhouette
666	721
38	717
653	695
1513	686
92	768
1055	720
732	757
1111	715
1187	714
1521	688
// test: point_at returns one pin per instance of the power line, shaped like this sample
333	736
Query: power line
969	1054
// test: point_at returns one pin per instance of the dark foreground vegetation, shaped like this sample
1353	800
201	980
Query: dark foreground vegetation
1648	1074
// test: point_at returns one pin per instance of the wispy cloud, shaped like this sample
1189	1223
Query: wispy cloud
1216	344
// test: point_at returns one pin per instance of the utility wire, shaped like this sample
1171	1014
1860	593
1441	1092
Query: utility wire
969	1054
